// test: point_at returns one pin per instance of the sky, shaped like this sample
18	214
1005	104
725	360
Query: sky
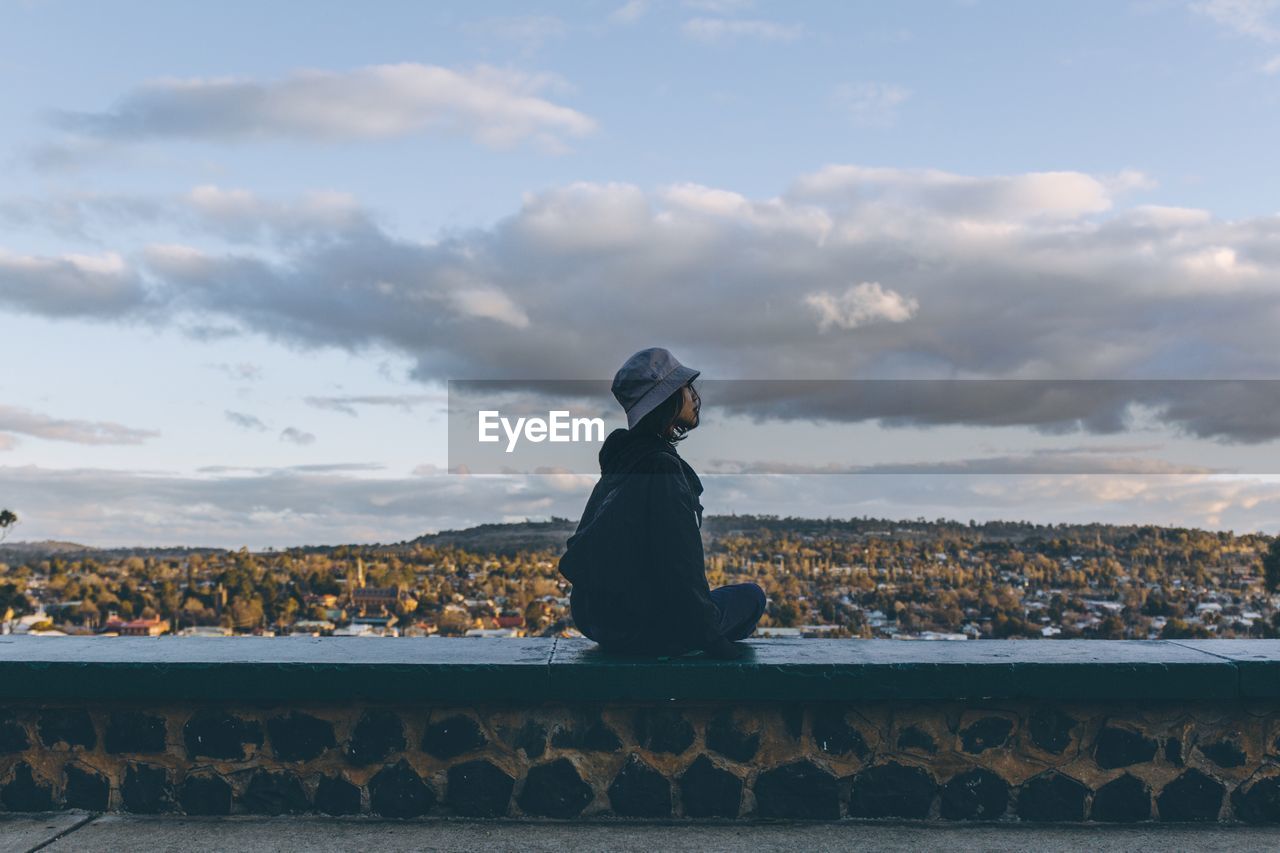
244	247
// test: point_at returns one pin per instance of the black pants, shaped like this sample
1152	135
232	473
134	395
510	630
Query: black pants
741	605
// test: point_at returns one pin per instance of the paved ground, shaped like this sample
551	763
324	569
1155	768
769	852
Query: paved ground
76	832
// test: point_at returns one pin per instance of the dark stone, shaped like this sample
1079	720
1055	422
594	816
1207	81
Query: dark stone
892	790
205	795
1051	729
1173	751
86	789
13	737
532	738
709	791
793	721
398	791
24	793
915	738
377	734
479	789
984	734
1122	747
337	796
1052	797
663	730
587	735
1123	800
72	727
800	790
555	789
1225	753
977	794
727	739
217	734
275	793
640	791
299	737
834	735
134	732
1193	796
1260	803
452	737
146	789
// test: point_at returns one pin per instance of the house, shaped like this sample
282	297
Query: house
144	628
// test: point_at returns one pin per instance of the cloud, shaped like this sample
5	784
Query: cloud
297	436
70	285
243	371
1023	276
244	421
630	11
285	507
871	104
14	419
859	305
347	405
495	107
1253	18
732	29
529	32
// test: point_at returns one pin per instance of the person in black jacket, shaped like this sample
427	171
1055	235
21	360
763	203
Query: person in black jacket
636	560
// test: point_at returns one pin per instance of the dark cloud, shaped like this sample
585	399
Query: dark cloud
297	436
852	273
244	421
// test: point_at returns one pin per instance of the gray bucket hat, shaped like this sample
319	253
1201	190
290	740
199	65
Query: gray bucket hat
649	377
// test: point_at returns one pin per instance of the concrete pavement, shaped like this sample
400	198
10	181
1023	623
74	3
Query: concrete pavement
77	832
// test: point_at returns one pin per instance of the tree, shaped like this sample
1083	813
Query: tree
7	520
1271	566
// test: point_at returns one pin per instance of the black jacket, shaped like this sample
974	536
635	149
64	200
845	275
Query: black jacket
636	561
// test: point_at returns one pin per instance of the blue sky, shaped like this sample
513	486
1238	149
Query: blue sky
242	245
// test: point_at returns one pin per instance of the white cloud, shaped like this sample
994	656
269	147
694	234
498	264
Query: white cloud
1254	18
1034	275
729	29
530	32
496	107
347	405
870	103
860	304
1010	198
285	507
1271	66
15	419
630	11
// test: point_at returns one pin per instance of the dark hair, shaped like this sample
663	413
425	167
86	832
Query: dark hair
662	420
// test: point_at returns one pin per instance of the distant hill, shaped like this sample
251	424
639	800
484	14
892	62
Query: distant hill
54	548
46	546
504	538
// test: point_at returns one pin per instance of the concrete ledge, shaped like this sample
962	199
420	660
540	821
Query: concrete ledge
248	669
1037	731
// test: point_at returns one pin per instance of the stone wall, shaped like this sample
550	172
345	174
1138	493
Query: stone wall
985	760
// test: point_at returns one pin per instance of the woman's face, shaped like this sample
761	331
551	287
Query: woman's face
688	416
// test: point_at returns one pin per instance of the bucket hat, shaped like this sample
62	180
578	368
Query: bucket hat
646	379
